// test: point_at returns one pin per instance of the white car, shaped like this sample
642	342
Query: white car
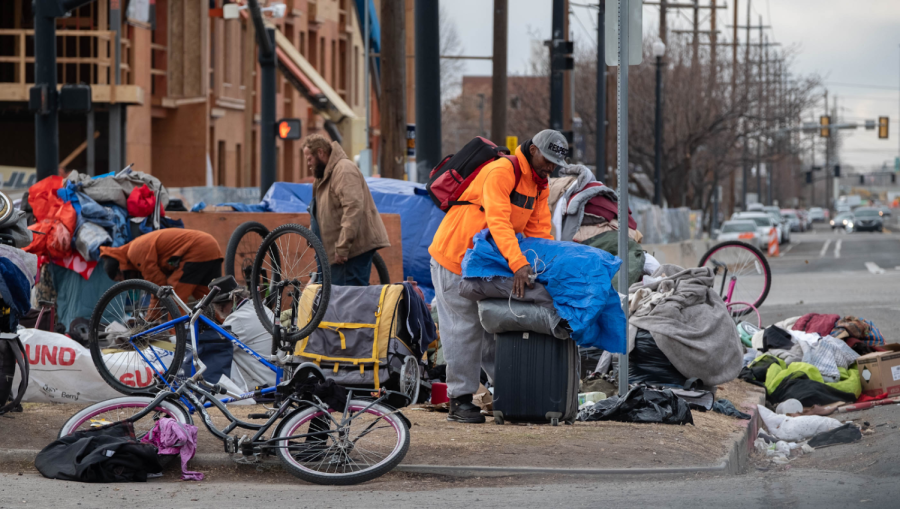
817	215
784	233
743	230
764	224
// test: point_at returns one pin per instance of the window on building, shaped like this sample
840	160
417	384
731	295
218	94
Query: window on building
342	70
220	163
334	81
239	165
313	50
354	78
303	44
322	57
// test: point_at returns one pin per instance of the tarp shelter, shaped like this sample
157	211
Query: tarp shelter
419	218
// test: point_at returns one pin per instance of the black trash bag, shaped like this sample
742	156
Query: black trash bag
845	434
640	405
755	373
647	364
808	392
778	338
107	454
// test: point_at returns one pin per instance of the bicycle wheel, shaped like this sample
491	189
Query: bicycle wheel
371	442
380	275
290	258
746	265
120	409
409	379
126	309
241	251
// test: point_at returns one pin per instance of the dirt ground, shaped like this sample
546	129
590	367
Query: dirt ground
436	441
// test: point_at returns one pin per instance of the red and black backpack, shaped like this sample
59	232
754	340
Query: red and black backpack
454	174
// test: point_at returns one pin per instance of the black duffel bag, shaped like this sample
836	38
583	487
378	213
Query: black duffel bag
647	364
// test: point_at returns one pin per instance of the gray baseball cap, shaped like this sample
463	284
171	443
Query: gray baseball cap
553	146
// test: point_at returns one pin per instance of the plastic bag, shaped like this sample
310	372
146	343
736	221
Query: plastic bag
88	240
499	315
141	202
795	429
647	363
640	405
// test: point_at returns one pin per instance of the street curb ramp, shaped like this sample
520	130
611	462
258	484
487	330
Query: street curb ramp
735	461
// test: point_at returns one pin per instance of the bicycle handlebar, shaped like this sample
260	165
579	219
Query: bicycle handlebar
209	297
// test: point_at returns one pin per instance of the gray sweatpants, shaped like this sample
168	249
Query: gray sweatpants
467	346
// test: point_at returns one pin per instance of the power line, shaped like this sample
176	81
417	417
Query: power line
586	31
859	85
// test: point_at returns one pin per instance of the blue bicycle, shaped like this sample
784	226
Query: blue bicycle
314	440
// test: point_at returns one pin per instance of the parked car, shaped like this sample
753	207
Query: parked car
764	224
784	234
817	215
841	220
743	230
867	219
794	220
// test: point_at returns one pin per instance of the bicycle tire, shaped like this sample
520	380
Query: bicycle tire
298	417
270	244
172	410
99	316
234	244
758	255
384	277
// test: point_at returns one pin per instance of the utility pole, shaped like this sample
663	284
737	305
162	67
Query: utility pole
760	115
600	141
734	52
746	105
663	25
265	38
393	95
428	87
498	80
556	65
713	40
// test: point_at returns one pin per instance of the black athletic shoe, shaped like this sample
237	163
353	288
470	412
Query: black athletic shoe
463	410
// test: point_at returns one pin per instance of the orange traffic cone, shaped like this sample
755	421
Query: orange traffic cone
773	243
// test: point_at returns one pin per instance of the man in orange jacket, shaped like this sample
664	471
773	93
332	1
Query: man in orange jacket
496	203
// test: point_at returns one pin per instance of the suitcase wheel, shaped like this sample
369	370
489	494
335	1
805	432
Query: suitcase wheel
554	421
498	418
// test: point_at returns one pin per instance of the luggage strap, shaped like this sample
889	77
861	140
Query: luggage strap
18	350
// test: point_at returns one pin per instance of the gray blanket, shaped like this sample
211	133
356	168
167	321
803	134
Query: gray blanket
689	322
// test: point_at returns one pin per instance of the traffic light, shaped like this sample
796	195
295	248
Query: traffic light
893	178
882	128
862	179
288	129
824	122
837	171
809	177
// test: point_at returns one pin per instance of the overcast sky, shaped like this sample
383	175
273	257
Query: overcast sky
854	45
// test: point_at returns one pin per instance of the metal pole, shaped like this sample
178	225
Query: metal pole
267	66
481	115
428	87
600	170
556	64
657	194
498	80
368	92
46	125
116	138
622	122
91	145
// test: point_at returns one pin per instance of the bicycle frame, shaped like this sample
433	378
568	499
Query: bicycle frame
195	317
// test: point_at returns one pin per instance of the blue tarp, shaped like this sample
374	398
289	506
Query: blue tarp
578	277
419	219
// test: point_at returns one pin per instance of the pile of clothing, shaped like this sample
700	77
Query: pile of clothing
689	324
72	218
811	358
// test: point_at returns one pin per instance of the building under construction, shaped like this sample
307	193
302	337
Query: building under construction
181	100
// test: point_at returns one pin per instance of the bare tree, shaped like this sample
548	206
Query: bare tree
451	69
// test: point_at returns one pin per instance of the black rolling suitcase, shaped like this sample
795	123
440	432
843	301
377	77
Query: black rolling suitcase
535	378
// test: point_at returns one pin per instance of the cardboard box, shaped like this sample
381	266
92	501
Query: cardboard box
880	372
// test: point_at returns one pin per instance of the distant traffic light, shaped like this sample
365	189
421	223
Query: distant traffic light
882	128
288	129
809	177
837	171
824	131
862	179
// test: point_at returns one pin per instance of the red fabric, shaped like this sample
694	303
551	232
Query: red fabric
541	182
608	209
814	322
56	219
864	398
73	261
141	202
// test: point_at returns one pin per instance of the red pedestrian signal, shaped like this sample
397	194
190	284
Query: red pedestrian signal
289	129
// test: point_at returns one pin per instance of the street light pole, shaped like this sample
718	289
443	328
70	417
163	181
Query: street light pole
659	49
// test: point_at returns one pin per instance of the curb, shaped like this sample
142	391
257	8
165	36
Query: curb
734	462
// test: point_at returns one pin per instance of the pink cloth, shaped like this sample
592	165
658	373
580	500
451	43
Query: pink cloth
172	437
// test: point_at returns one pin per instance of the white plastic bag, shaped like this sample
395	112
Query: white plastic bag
795	429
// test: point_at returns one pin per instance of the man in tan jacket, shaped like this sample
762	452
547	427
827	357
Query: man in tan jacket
343	213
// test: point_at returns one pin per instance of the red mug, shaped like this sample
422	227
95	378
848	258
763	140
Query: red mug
438	393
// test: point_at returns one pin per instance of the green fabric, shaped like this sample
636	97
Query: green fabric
778	372
609	242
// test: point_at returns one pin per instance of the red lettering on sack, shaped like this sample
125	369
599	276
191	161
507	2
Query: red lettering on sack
127	379
37	354
140	382
48	355
66	356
